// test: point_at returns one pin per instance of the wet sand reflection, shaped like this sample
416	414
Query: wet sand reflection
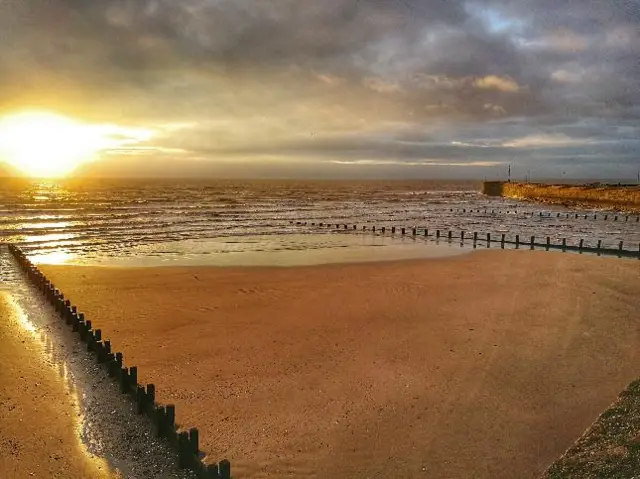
47	423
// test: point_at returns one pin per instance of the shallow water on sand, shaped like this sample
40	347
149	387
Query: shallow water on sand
108	221
267	250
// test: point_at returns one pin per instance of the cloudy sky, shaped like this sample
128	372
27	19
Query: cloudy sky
337	88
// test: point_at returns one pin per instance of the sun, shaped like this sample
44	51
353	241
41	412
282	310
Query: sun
43	144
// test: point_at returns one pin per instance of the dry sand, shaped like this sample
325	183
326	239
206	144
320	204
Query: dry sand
39	426
483	365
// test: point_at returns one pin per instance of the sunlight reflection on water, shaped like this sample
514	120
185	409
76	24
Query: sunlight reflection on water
55	257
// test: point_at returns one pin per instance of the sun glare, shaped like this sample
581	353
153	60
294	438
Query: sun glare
44	144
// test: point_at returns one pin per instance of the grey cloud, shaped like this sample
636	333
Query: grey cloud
259	77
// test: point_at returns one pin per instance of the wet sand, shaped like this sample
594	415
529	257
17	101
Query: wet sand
39	424
483	365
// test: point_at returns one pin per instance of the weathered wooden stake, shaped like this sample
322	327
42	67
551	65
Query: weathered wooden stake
183	450
225	469
194	440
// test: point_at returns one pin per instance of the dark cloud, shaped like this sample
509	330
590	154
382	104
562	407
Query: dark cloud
338	79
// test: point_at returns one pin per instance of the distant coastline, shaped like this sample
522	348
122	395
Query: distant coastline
619	197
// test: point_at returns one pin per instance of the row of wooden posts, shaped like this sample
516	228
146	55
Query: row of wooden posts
185	443
438	234
540	214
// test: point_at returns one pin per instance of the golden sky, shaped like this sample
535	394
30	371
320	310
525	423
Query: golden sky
340	88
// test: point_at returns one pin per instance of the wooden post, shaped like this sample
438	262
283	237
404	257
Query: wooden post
211	471
194	440
124	380
548	243
225	469
151	395
133	376
183	450
140	399
95	344
171	417
106	348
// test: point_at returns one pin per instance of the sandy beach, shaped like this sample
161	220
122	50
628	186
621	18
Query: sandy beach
39	426
489	364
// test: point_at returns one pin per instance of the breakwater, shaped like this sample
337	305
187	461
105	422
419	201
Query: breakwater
185	442
476	238
623	197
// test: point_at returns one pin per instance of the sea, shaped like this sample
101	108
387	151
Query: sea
132	222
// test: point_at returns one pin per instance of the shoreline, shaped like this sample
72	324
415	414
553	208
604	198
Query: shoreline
442	335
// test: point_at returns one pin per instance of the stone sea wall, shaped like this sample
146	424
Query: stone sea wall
623	197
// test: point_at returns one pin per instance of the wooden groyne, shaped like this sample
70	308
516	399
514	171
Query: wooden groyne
624	197
163	417
549	214
475	238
